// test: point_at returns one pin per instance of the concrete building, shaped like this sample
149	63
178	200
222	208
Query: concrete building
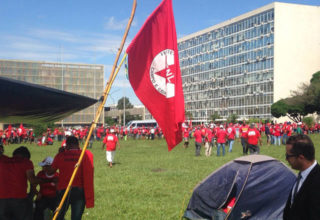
82	79
117	115
245	64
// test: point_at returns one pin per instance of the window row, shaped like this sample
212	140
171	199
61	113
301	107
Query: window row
253	21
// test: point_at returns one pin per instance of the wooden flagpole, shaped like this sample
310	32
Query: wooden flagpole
103	100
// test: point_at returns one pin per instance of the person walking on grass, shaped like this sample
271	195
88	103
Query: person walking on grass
198	140
81	194
221	140
111	142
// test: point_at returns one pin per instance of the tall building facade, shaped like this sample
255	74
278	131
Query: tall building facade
245	64
82	79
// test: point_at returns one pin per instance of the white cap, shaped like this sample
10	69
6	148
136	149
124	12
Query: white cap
67	133
46	162
111	130
221	126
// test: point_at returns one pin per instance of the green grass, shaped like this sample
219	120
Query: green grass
147	181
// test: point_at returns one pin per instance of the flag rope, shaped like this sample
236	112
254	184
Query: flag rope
112	77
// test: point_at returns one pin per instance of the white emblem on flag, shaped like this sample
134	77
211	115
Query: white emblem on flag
161	74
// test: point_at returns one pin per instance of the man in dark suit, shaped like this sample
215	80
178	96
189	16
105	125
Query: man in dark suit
304	199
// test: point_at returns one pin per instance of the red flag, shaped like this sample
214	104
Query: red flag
154	72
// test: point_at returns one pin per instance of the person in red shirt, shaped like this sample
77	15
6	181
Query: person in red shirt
15	172
221	140
186	137
208	140
277	135
198	140
243	134
111	142
47	196
231	136
81	193
253	136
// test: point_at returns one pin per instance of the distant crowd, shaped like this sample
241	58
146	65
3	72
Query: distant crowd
276	133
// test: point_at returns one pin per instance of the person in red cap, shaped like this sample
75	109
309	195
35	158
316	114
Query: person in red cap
47	195
111	141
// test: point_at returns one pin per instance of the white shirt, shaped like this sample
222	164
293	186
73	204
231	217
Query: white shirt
304	175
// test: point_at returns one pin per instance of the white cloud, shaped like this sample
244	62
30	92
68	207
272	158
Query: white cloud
113	24
52	45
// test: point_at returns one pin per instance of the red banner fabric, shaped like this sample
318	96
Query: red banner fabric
154	72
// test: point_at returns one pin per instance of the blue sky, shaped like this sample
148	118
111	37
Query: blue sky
85	31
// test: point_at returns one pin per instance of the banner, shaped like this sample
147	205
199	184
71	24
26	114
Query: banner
154	72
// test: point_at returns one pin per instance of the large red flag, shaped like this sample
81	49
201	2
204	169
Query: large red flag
154	71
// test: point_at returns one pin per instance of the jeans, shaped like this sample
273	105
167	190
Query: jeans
76	200
284	139
198	148
223	149
231	142
244	145
254	149
13	209
44	203
277	140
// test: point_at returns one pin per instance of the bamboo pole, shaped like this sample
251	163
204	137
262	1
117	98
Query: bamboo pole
112	77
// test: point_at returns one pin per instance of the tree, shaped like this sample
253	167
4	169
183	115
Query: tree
292	107
188	115
214	116
279	109
128	105
232	118
41	128
308	121
130	117
109	121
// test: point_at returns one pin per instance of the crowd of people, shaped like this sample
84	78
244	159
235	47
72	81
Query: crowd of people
224	134
16	171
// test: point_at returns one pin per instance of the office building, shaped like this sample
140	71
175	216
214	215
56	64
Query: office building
245	64
82	79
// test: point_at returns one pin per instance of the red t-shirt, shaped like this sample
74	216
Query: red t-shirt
3	177
221	136
110	141
253	136
244	130
65	162
231	133
185	132
197	136
208	135
17	180
277	131
48	189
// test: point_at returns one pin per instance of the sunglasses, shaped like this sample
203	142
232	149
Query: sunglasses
290	155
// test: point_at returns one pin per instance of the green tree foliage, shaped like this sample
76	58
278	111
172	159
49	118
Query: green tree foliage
188	115
308	121
279	109
128	105
109	121
130	117
305	100
214	116
232	118
40	129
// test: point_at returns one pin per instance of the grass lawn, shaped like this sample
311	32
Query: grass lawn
147	181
